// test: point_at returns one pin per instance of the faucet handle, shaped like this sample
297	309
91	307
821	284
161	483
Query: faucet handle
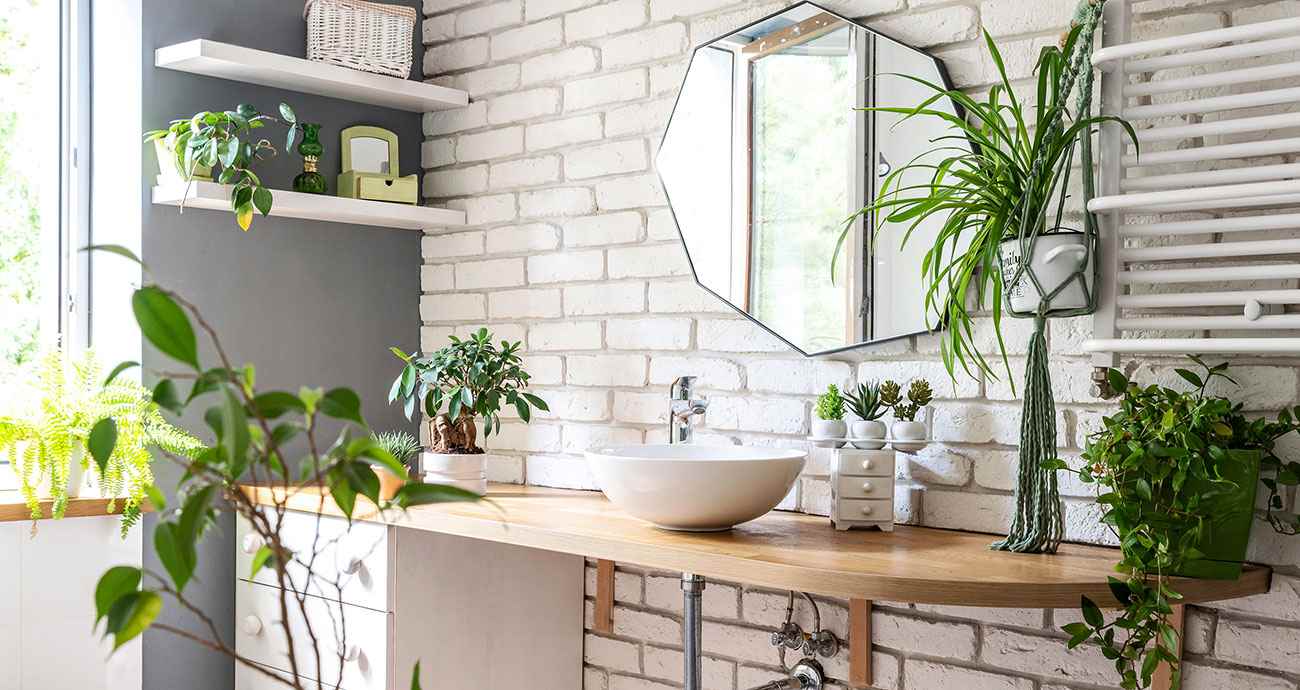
682	388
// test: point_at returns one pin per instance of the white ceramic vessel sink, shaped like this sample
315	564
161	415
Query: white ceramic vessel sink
695	488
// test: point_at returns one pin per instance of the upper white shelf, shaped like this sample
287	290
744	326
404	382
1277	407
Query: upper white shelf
213	196
226	61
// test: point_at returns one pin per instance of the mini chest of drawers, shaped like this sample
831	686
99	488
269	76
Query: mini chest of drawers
862	489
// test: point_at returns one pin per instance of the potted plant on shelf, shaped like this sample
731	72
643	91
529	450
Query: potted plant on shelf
905	427
1177	472
227	139
829	425
405	448
868	432
470	379
47	432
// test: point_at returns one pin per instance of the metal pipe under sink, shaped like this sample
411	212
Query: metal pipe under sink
692	630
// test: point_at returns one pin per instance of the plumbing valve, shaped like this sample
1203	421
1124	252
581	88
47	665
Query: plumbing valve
790	636
823	644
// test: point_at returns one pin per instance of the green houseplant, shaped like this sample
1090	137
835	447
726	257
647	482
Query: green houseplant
867	431
45	437
829	423
1177	473
228	139
905	427
403	446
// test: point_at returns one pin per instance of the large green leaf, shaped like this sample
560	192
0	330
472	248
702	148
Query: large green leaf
416	494
275	404
117	582
342	403
101	441
131	615
172	553
165	325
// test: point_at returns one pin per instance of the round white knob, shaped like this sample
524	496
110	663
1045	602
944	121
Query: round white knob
866	487
251	543
353	566
866	464
866	510
351	653
1253	310
251	625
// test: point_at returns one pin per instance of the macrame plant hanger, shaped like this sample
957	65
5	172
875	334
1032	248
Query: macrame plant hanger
1038	525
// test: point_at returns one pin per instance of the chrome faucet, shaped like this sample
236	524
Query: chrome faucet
682	407
806	675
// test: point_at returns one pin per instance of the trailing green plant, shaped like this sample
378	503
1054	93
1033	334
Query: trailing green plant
1005	166
830	405
1162	465
57	417
919	395
228	138
469	379
402	445
865	402
245	471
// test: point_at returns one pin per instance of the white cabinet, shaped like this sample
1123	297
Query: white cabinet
474	614
862	489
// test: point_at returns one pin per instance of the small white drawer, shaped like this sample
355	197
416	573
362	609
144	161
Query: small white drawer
865	463
357	556
260	638
869	510
865	487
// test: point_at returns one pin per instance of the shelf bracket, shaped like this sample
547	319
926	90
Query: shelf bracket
1163	680
604	615
860	643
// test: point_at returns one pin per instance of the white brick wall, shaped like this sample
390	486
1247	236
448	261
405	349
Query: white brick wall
571	249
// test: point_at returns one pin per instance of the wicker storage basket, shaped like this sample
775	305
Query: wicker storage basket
367	36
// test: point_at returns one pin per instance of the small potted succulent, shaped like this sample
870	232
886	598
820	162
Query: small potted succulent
403	446
905	427
469	380
829	424
867	431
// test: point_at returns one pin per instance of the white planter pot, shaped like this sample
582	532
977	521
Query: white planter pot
874	429
903	431
452	463
1058	256
830	428
76	473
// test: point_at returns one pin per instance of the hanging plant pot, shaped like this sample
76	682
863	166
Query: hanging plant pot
1058	278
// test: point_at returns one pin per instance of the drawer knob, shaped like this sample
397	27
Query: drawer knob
350	653
251	625
866	464
251	543
866	510
866	487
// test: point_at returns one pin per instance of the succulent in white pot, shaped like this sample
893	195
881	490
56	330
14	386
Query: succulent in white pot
905	427
829	423
867	431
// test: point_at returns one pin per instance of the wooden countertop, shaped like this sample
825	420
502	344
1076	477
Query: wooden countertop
14	509
790	551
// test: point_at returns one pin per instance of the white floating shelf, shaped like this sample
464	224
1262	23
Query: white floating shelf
216	197
226	61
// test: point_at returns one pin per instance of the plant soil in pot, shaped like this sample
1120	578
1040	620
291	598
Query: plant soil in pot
1056	263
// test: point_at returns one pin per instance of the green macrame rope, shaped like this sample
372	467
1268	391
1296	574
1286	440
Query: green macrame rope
1038	525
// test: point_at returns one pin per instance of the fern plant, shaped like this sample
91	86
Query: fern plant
56	416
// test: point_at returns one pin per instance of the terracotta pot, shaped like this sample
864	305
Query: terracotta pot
389	483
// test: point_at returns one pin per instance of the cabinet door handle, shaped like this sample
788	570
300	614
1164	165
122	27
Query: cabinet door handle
866	487
866	464
866	510
251	625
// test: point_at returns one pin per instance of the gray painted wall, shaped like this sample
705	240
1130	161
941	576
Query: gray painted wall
309	303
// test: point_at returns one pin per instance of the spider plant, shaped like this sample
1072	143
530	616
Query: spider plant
1005	166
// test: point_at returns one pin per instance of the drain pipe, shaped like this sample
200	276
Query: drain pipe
692	630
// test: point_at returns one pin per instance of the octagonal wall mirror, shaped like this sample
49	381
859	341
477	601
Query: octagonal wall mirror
768	153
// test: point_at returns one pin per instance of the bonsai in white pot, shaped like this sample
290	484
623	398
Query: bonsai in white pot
866	404
905	427
829	424
468	380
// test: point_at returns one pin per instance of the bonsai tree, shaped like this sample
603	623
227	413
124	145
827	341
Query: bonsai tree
865	402
830	406
467	380
905	410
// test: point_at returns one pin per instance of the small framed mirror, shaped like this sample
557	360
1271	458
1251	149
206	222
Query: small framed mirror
369	149
769	152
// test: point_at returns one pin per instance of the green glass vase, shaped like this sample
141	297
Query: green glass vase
310	181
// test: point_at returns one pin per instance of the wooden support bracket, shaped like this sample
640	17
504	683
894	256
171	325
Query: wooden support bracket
860	643
604	614
1162	680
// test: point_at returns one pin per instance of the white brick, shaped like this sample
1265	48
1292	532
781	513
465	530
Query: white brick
609	228
798	376
541	9
565	201
661	226
604	19
926	674
643	46
523	304
544	370
936	465
1044	656
1282	602
437	278
1258	645
439	6
567	335
451	246
667	78
561	472
456	119
605	298
566	267
737	335
607	88
713	374
650	627
523	105
522	238
640	408
665	592
606	370
438	29
512	332
629	192
437	153
475	275
739	642
533	438
641	262
606	159
560	65
458	182
487	18
641	118
576	405
766	415
945	388
924	29
451	307
504	469
617	682
486	81
672	9
683	296
527	172
660	662
449	57
532	38
933	638
434	337
579	438
648	334
594	679
1198	677
1007	17
484	209
1022	618
573	130
497	143
614	655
